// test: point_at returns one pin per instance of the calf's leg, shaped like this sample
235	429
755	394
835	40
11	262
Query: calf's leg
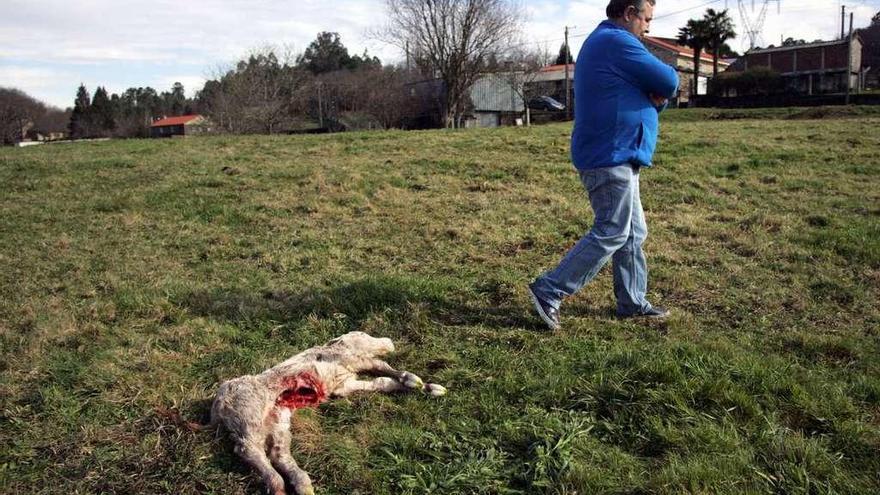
279	454
254	454
381	384
409	380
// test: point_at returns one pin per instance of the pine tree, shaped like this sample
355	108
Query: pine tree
564	55
325	54
79	120
364	61
101	112
177	99
151	103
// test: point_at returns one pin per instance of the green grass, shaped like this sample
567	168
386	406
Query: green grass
785	113
137	275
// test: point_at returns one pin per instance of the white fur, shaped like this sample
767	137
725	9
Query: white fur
248	406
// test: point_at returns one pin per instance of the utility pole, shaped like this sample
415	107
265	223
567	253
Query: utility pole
320	108
849	58
567	82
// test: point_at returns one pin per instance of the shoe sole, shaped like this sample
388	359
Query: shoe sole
540	310
648	317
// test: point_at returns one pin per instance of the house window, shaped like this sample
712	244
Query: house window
703	85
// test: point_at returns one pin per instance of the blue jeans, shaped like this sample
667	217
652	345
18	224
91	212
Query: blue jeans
618	232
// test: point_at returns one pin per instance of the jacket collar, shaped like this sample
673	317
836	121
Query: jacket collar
609	24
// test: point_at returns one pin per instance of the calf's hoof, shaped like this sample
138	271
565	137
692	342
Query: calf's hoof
435	390
410	380
275	486
303	485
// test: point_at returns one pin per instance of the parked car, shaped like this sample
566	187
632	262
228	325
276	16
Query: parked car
546	103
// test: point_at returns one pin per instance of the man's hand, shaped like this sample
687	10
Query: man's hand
657	100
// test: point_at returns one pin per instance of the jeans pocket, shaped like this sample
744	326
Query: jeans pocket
587	176
600	194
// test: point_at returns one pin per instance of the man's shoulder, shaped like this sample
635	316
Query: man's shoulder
605	35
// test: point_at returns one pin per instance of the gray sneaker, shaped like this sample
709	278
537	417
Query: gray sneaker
548	313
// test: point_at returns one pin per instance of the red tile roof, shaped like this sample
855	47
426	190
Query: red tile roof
671	44
668	43
559	67
183	119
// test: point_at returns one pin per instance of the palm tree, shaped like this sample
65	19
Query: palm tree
695	35
720	27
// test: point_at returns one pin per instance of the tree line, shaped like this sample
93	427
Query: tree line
21	114
271	91
449	45
268	91
124	115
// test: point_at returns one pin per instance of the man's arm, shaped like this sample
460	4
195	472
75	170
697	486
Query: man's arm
638	66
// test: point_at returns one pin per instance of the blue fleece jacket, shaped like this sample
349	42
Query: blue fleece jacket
615	120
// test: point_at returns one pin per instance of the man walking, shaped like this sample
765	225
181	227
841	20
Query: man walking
620	88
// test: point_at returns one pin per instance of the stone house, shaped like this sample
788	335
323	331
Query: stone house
682	58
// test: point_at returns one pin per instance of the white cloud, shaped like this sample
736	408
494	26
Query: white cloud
28	77
207	31
49	46
804	19
213	31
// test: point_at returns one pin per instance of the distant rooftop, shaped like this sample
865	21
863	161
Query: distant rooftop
182	120
557	67
815	44
672	44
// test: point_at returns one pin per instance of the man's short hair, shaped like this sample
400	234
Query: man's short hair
616	8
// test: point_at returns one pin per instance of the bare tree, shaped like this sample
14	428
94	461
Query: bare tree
376	97
23	116
385	96
454	39
257	96
18	111
53	121
522	70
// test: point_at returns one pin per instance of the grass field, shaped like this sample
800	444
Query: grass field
137	275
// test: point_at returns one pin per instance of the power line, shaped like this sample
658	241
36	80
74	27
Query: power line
585	34
670	14
826	7
554	40
685	10
537	42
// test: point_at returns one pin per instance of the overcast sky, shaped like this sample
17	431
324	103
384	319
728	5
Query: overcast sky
48	47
